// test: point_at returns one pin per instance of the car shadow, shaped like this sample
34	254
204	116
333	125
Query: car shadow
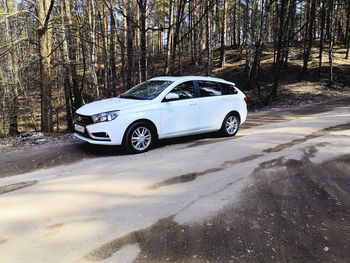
191	140
91	150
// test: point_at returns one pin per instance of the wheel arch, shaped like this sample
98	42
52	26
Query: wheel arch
236	113
148	121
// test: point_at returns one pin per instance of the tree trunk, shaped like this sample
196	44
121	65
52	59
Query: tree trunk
143	40
249	39
44	9
234	25
72	52
129	46
195	33
223	35
331	42
308	44
108	91
68	83
12	70
93	58
112	48
179	17
279	50
238	15
208	40
259	45
123	44
290	35
169	38
347	34
323	20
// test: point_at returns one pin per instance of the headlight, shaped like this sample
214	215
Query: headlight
105	116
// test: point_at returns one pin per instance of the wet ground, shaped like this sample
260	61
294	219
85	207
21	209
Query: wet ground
283	196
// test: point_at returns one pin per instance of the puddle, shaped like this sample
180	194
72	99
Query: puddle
182	178
313	135
54	229
193	176
243	160
13	187
3	241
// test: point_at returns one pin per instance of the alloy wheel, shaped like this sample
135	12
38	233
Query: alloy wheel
231	125
141	138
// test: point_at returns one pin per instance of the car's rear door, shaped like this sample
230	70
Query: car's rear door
214	103
181	116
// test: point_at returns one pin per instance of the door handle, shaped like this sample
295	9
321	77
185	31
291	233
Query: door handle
193	104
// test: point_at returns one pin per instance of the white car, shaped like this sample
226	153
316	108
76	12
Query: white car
163	107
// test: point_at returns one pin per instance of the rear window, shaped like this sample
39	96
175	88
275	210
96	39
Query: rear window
208	88
228	89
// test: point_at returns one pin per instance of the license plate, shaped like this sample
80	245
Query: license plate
79	128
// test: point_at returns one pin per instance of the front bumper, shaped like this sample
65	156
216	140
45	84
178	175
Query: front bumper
103	133
100	142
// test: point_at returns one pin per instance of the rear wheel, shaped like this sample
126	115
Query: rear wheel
230	125
139	137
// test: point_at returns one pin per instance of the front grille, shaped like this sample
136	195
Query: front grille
84	120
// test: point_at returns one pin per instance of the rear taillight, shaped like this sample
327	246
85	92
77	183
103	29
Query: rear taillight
246	99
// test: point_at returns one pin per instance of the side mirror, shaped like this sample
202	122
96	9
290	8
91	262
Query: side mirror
172	96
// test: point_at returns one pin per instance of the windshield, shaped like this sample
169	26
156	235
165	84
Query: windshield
147	90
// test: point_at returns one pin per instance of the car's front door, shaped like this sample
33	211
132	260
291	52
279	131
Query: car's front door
180	116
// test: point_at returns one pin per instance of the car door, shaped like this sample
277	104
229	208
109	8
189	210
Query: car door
180	116
213	104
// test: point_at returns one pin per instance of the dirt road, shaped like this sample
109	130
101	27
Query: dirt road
278	192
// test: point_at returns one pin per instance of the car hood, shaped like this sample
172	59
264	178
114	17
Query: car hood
109	105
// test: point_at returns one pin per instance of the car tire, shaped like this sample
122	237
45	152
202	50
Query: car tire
139	137
230	125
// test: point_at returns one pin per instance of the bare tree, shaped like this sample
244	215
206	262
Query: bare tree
311	7
259	45
347	30
92	48
332	22
249	39
12	70
208	39
44	32
223	35
170	40
142	4
322	22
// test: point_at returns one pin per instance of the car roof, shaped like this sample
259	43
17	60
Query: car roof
189	78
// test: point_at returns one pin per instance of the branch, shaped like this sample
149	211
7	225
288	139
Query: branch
17	13
47	18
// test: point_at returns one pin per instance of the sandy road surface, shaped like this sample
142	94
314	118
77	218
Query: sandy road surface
277	192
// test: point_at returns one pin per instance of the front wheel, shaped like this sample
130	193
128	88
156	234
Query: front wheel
139	138
230	124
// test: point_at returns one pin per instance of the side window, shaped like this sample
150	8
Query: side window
208	88
184	90
228	89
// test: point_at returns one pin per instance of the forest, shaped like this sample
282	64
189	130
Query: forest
56	55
